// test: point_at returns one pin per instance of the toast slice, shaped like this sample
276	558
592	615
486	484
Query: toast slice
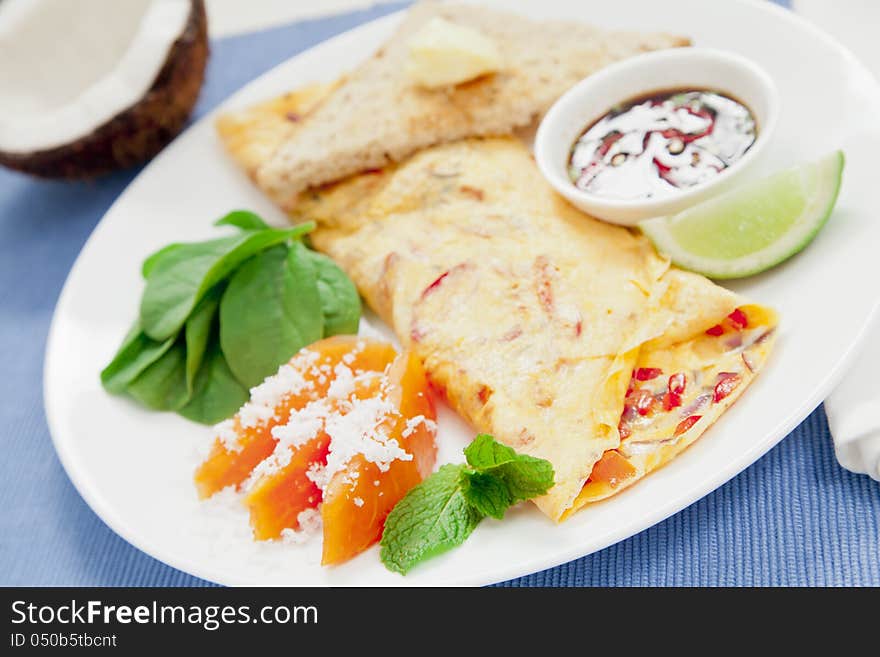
377	116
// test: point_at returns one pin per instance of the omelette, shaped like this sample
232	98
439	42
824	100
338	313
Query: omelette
564	337
567	338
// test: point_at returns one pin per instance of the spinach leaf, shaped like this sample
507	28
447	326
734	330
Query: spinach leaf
269	311
239	218
243	219
340	302
136	354
197	331
154	258
174	278
217	394
179	279
162	386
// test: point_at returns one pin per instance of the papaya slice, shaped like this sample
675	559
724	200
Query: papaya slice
246	440
275	502
612	469
285	484
358	498
345	428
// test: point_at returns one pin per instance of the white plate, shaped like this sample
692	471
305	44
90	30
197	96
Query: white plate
134	468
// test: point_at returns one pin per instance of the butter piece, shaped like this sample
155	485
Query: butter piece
444	54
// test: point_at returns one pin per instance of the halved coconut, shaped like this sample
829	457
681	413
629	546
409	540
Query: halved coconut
96	85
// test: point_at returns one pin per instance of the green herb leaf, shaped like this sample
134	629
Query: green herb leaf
243	219
179	278
217	394
175	276
525	476
270	310
136	354
154	258
340	302
442	511
485	452
432	518
162	386
487	493
197	331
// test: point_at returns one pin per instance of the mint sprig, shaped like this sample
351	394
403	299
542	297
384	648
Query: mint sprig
486	493
432	518
524	476
442	511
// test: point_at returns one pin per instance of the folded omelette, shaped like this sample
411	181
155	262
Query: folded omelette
565	337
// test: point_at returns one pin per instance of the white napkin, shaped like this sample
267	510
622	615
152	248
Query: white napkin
853	410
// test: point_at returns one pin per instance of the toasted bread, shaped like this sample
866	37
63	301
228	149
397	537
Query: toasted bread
378	116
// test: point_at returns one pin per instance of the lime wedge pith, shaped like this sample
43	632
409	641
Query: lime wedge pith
754	227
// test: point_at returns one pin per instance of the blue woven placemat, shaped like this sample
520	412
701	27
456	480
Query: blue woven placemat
793	518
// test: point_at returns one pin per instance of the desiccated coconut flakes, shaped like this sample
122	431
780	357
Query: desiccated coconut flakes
414	422
309	521
227	435
270	393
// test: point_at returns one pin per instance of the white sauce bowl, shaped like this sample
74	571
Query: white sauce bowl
665	70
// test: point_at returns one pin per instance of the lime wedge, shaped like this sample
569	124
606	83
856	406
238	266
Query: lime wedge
754	227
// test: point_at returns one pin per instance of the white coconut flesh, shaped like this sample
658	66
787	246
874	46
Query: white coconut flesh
66	68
